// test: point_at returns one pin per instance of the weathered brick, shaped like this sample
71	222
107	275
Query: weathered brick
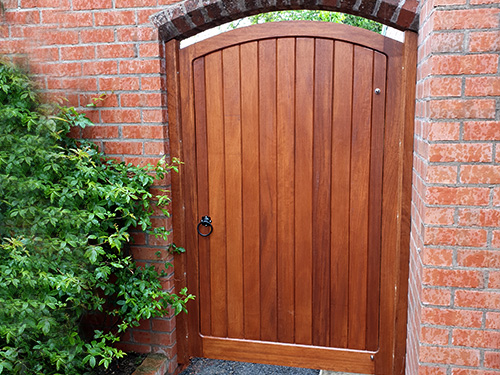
462	152
476	339
478	258
453	356
460	108
480	174
455	237
436	336
457	196
484	41
464	64
466	19
452	317
452	278
478	299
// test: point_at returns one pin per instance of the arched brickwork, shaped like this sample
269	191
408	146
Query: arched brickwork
189	17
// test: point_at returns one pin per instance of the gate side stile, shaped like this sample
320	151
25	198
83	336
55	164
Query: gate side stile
178	217
401	77
408	90
181	138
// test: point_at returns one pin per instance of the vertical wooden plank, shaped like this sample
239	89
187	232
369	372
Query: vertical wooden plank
285	175
202	192
216	191
267	170
190	209
304	94
341	174
359	201
323	85
251	201
234	236
375	199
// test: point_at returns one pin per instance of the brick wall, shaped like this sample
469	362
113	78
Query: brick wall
454	299
80	49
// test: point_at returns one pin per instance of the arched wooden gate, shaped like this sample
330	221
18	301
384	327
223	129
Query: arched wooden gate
297	143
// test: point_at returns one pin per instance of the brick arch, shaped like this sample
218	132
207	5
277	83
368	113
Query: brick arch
189	17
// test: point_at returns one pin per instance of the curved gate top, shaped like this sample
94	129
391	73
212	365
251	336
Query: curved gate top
296	140
186	18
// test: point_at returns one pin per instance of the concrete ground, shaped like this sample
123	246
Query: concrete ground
203	366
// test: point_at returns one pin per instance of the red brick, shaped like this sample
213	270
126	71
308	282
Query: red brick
461	371
100	67
151	83
24	17
453	278
436	336
461	152
77	53
492	360
154	148
464	64
480	218
97	36
91	4
470	298
445	86
115	51
134	3
120	116
449	356
139	66
478	258
437	257
141	100
119	83
143	132
447	42
492	320
494	280
142	161
115	18
149	49
438	174
452	318
484	41
123	148
439	216
460	108
457	196
482	130
71	69
482	86
164	325
480	174
61	37
424	370
154	115
97	131
455	237
466	19
137	34
476	339
495	241
441	297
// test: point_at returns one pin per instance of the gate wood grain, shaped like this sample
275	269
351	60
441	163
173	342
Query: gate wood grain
296	159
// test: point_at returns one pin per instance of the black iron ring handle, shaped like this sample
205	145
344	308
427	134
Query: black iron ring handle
206	221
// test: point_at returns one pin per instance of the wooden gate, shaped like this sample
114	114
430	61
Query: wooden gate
296	139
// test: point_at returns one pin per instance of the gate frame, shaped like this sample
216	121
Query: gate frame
399	307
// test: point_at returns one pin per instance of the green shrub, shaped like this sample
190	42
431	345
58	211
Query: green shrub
65	220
